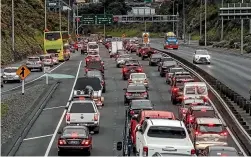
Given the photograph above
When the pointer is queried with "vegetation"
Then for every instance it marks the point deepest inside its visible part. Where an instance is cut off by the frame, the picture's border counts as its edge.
(4, 109)
(29, 26)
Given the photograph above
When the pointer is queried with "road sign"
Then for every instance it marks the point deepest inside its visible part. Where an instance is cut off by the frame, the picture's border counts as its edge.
(23, 72)
(88, 19)
(145, 38)
(123, 36)
(104, 19)
(148, 1)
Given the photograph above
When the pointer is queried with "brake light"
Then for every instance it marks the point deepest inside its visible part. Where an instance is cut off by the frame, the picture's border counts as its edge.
(81, 98)
(86, 70)
(95, 117)
(175, 89)
(145, 93)
(205, 99)
(61, 142)
(145, 151)
(103, 82)
(224, 133)
(184, 98)
(183, 111)
(197, 133)
(140, 70)
(211, 124)
(87, 60)
(193, 151)
(128, 94)
(68, 117)
(86, 142)
(131, 112)
(124, 70)
(191, 118)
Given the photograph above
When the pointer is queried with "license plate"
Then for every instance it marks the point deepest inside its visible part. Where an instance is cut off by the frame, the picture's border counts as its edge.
(73, 142)
(136, 94)
(132, 70)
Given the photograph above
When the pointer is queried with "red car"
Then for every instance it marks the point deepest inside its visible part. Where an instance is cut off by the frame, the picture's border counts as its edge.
(91, 58)
(95, 65)
(139, 119)
(131, 66)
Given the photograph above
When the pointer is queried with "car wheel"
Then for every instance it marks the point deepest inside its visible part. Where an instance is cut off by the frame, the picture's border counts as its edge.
(60, 153)
(117, 65)
(124, 78)
(173, 101)
(150, 63)
(208, 63)
(161, 74)
(194, 62)
(88, 153)
(41, 69)
(104, 90)
(96, 130)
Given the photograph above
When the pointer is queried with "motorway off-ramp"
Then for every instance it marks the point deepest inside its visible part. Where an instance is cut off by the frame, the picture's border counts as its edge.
(112, 114)
(232, 70)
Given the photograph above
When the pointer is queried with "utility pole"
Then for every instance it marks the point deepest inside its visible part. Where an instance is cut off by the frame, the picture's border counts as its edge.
(222, 24)
(177, 23)
(69, 3)
(144, 16)
(73, 19)
(184, 22)
(45, 15)
(104, 24)
(60, 19)
(77, 19)
(13, 29)
(173, 15)
(205, 22)
(242, 33)
(200, 19)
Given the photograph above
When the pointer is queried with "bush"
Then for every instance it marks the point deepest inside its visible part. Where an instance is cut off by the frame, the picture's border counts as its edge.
(248, 49)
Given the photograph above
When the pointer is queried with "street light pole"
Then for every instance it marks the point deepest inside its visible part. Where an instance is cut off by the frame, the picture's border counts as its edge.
(242, 33)
(144, 16)
(184, 22)
(173, 15)
(77, 19)
(222, 23)
(69, 16)
(60, 19)
(45, 15)
(13, 29)
(205, 22)
(200, 18)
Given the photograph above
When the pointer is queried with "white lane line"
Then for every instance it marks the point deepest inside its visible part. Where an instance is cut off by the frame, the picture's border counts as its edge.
(51, 108)
(34, 79)
(38, 137)
(62, 117)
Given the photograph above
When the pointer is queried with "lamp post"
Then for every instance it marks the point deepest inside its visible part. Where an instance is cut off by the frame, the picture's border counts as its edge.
(45, 15)
(205, 22)
(13, 29)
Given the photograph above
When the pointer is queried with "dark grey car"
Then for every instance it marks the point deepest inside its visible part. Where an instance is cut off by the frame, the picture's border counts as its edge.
(135, 91)
(135, 106)
(155, 59)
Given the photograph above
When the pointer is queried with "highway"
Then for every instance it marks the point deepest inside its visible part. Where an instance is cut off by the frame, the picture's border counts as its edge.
(40, 140)
(232, 70)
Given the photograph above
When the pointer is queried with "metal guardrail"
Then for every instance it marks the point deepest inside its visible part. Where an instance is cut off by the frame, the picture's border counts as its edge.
(225, 101)
(127, 143)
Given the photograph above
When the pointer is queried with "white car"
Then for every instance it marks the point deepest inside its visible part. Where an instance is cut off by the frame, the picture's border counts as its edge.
(195, 90)
(138, 78)
(201, 56)
(163, 136)
(9, 75)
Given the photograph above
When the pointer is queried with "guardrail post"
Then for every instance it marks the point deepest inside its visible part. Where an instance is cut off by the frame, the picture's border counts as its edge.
(242, 102)
(231, 94)
(235, 97)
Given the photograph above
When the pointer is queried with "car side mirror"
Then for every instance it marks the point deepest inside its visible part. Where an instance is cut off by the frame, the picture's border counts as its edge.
(119, 146)
(66, 107)
(134, 117)
(92, 132)
(59, 132)
(139, 128)
(124, 88)
(194, 53)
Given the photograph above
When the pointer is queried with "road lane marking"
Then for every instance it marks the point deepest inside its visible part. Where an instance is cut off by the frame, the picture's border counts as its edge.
(63, 115)
(51, 108)
(33, 79)
(37, 137)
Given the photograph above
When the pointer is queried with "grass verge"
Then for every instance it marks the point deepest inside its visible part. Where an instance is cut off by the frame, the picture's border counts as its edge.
(4, 109)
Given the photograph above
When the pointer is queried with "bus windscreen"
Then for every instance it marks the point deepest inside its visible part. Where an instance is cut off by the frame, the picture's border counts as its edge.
(52, 36)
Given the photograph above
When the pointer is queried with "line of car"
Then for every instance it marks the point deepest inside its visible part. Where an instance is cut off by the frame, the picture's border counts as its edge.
(196, 131)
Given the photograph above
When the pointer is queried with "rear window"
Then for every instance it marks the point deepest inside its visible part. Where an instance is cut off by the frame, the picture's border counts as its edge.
(196, 89)
(132, 62)
(78, 131)
(136, 88)
(82, 108)
(141, 104)
(169, 64)
(52, 36)
(173, 70)
(9, 70)
(166, 132)
(223, 153)
(208, 128)
(167, 59)
(93, 46)
(204, 113)
(138, 76)
(33, 59)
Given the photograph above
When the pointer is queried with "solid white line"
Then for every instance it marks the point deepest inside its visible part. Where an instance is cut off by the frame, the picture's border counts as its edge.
(38, 137)
(33, 79)
(50, 108)
(62, 117)
(213, 105)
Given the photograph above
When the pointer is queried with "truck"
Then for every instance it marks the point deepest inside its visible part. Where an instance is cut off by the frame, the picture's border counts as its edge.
(92, 46)
(171, 41)
(116, 45)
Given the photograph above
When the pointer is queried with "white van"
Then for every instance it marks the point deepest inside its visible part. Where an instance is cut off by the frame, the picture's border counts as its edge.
(92, 46)
(116, 45)
(195, 90)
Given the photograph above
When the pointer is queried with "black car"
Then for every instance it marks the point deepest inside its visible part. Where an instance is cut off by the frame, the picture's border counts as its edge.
(165, 67)
(135, 91)
(135, 106)
(164, 59)
(74, 138)
(98, 74)
(155, 59)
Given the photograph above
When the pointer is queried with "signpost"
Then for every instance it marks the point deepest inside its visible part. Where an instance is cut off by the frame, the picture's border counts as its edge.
(47, 71)
(23, 72)
(101, 19)
(104, 19)
(145, 37)
(123, 35)
(88, 19)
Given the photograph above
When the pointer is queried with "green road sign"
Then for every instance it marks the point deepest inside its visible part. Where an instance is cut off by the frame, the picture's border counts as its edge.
(88, 19)
(104, 19)
(148, 1)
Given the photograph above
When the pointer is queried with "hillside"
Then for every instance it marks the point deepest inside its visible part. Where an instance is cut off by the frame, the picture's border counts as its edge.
(29, 26)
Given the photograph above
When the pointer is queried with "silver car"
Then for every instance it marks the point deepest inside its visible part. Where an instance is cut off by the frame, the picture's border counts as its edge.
(34, 63)
(9, 75)
(47, 60)
(121, 60)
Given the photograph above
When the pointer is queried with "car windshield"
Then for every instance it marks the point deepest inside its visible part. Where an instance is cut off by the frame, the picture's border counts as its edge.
(166, 132)
(78, 131)
(82, 108)
(201, 52)
(138, 76)
(203, 113)
(211, 128)
(173, 63)
(141, 104)
(52, 36)
(10, 70)
(201, 90)
(94, 46)
(136, 88)
(167, 59)
(223, 152)
(132, 62)
(33, 59)
(173, 70)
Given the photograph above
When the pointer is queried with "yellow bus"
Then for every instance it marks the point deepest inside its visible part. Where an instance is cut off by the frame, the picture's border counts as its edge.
(53, 43)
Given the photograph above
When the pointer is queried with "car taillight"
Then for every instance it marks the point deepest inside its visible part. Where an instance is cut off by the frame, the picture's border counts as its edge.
(193, 151)
(145, 93)
(183, 111)
(205, 99)
(86, 142)
(95, 117)
(224, 133)
(86, 70)
(175, 89)
(131, 112)
(145, 81)
(191, 118)
(61, 142)
(145, 151)
(87, 60)
(197, 133)
(140, 70)
(128, 94)
(103, 82)
(124, 70)
(68, 117)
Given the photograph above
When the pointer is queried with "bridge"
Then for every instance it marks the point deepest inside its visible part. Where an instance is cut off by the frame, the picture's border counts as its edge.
(145, 18)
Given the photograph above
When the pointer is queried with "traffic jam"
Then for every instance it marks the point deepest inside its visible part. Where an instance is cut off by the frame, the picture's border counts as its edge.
(195, 131)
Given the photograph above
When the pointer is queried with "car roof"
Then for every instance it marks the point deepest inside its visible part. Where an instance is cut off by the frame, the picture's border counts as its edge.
(202, 107)
(149, 113)
(75, 127)
(165, 122)
(219, 148)
(81, 101)
(138, 74)
(136, 85)
(208, 121)
(194, 83)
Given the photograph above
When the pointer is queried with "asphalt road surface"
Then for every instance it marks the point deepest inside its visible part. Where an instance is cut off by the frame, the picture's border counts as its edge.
(234, 71)
(37, 142)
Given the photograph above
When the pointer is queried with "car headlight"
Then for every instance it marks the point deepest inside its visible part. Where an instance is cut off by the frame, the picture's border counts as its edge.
(16, 76)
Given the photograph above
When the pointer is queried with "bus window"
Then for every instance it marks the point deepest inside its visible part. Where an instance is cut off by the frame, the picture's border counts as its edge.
(52, 36)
